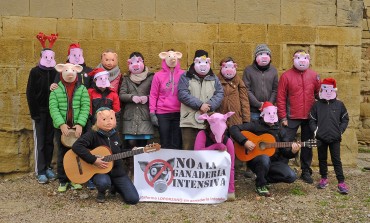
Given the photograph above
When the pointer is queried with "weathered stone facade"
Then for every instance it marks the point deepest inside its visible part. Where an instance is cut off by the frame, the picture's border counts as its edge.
(331, 30)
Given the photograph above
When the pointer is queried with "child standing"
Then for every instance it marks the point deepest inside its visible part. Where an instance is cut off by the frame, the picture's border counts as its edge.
(69, 106)
(329, 119)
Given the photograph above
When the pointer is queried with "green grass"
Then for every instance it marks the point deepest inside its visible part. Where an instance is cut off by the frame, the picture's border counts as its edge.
(363, 150)
(323, 203)
(297, 190)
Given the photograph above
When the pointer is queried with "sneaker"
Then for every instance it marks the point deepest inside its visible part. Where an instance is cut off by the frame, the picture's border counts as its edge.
(42, 179)
(90, 185)
(101, 197)
(263, 191)
(342, 188)
(50, 174)
(231, 197)
(75, 186)
(306, 177)
(63, 187)
(322, 184)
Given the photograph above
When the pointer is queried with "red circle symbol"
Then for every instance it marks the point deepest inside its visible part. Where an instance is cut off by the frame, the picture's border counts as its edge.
(159, 173)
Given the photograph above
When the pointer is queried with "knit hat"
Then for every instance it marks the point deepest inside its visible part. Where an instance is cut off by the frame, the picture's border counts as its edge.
(73, 46)
(97, 72)
(200, 53)
(262, 48)
(329, 81)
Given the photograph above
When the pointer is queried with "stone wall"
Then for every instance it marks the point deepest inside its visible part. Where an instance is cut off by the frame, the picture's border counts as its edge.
(331, 30)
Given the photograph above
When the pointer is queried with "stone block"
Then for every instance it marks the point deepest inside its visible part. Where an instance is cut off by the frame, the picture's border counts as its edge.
(326, 58)
(348, 58)
(194, 46)
(291, 34)
(366, 123)
(366, 24)
(349, 148)
(195, 32)
(16, 52)
(180, 47)
(140, 10)
(154, 31)
(51, 8)
(311, 13)
(22, 75)
(339, 35)
(75, 29)
(94, 48)
(9, 79)
(216, 11)
(97, 9)
(249, 33)
(181, 11)
(121, 30)
(24, 27)
(276, 55)
(365, 110)
(255, 12)
(240, 52)
(349, 13)
(289, 49)
(16, 8)
(15, 158)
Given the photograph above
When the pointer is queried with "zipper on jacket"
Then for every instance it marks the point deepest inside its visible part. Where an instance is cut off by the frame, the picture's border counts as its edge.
(304, 99)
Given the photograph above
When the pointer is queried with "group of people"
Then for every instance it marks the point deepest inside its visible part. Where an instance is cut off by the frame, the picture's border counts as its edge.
(193, 109)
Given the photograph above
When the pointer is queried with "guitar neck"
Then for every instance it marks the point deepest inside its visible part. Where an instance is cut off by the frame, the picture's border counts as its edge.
(123, 155)
(283, 144)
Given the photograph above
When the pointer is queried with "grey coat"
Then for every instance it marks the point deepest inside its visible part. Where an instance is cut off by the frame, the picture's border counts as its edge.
(136, 118)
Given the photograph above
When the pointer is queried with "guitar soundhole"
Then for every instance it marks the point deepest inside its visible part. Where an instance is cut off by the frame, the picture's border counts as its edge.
(262, 145)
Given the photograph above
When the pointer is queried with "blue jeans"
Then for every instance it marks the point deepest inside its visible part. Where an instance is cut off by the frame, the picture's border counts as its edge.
(122, 184)
(255, 115)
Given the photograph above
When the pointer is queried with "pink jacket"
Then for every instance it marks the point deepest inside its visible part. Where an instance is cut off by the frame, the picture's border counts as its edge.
(163, 93)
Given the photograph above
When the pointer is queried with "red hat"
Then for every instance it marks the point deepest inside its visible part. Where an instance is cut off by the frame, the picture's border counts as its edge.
(73, 46)
(98, 72)
(329, 81)
(266, 104)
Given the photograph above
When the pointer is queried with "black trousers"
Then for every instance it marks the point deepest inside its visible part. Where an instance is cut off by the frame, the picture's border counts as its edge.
(61, 152)
(169, 130)
(306, 134)
(43, 135)
(322, 152)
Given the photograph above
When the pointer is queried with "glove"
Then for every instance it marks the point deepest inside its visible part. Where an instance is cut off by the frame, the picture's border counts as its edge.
(154, 119)
(144, 99)
(136, 99)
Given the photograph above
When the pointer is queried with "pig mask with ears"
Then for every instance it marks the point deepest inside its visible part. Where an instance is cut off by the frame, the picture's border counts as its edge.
(327, 92)
(202, 65)
(76, 56)
(269, 114)
(136, 65)
(69, 71)
(228, 69)
(217, 123)
(109, 60)
(263, 59)
(47, 58)
(171, 57)
(106, 120)
(301, 61)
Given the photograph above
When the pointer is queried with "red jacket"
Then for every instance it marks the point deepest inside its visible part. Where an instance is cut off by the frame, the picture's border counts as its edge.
(296, 93)
(108, 98)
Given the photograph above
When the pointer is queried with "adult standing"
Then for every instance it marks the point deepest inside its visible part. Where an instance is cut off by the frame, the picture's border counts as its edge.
(297, 89)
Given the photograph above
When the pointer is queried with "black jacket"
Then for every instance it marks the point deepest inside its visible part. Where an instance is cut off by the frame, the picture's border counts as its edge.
(259, 127)
(92, 139)
(38, 90)
(330, 119)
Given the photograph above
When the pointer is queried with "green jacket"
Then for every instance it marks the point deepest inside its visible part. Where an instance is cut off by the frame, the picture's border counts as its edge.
(58, 105)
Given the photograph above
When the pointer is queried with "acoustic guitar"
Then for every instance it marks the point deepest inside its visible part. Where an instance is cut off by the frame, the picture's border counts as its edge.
(265, 145)
(79, 171)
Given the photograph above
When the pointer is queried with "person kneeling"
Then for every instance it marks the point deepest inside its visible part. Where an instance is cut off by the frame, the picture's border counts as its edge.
(104, 134)
(272, 169)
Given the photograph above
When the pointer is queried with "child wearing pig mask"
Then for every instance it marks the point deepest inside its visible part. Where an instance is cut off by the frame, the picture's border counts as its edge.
(299, 86)
(199, 92)
(261, 80)
(69, 107)
(235, 93)
(214, 138)
(328, 120)
(272, 169)
(163, 102)
(109, 61)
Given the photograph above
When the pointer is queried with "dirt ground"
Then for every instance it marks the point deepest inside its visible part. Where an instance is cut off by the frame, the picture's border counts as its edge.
(22, 199)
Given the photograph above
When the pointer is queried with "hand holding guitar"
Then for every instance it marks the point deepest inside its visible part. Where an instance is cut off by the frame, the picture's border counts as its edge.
(249, 145)
(296, 147)
(101, 163)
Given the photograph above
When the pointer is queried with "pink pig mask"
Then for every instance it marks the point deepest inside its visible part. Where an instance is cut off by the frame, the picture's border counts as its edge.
(263, 59)
(327, 92)
(202, 65)
(217, 123)
(269, 114)
(135, 65)
(47, 58)
(301, 61)
(76, 56)
(103, 80)
(69, 71)
(171, 57)
(228, 69)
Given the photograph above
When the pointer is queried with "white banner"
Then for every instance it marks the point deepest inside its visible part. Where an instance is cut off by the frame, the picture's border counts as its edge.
(182, 176)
